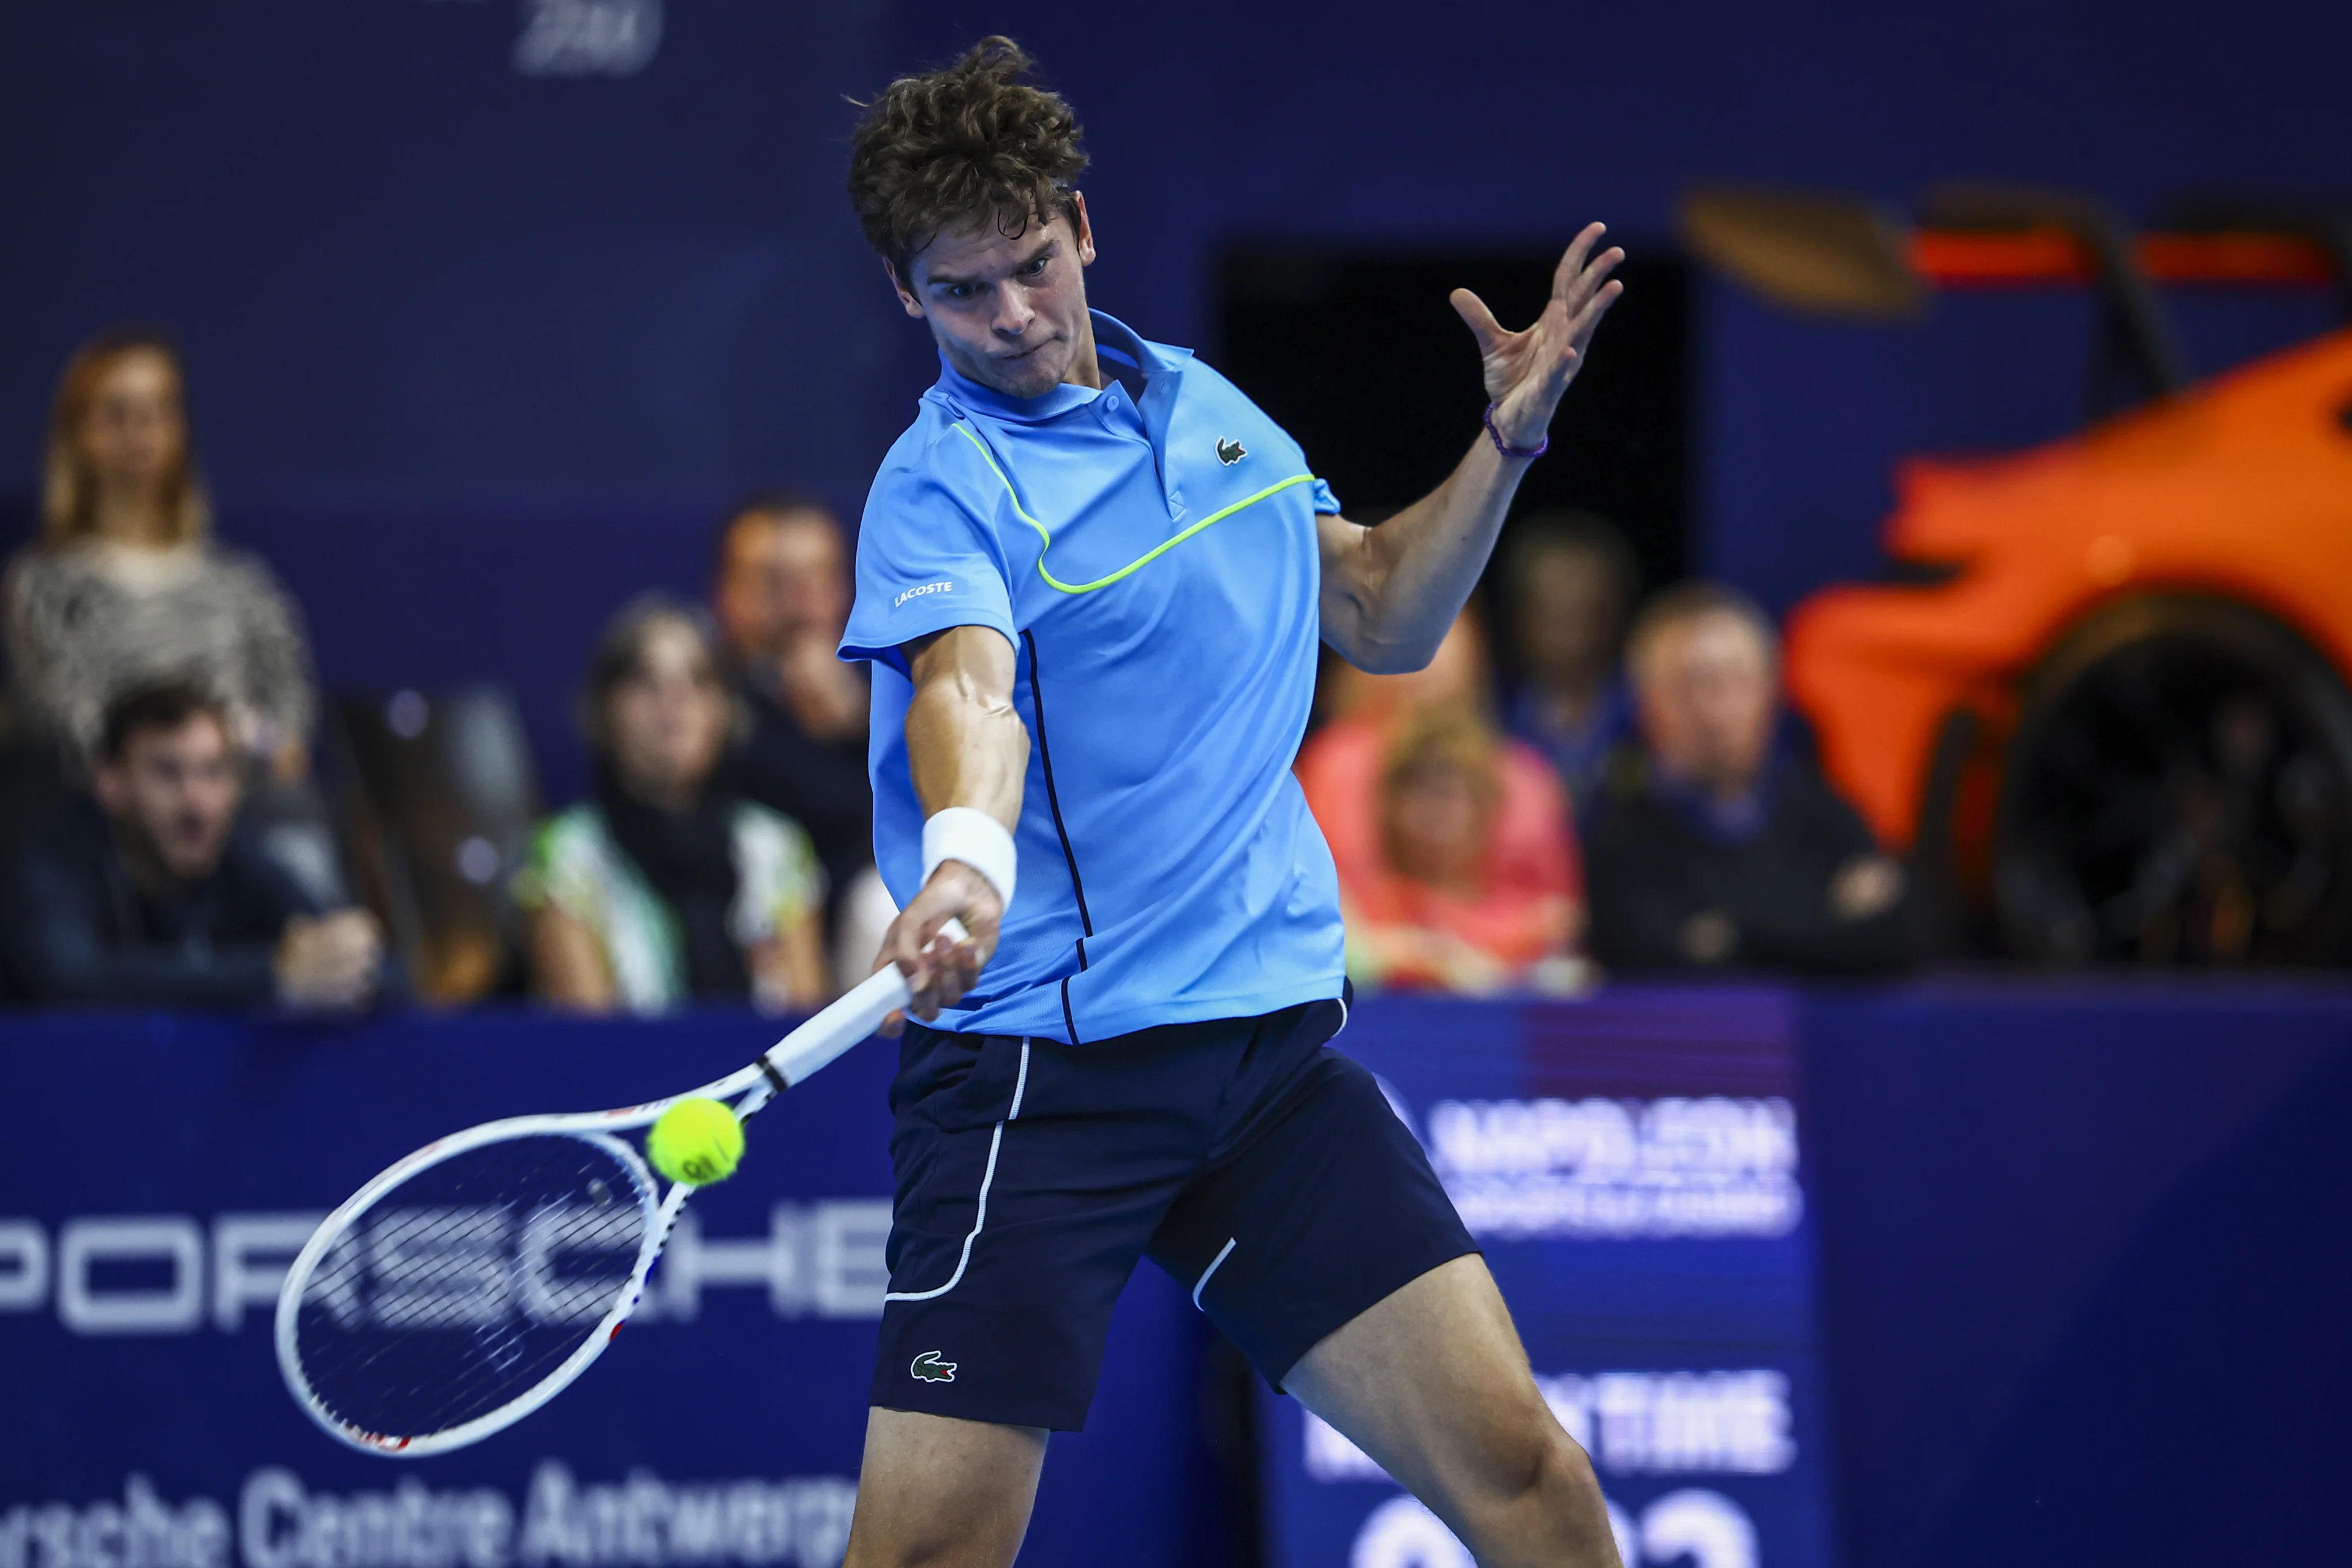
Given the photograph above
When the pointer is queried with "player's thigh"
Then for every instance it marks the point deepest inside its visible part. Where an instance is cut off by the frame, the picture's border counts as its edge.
(1328, 1208)
(933, 1489)
(1432, 1383)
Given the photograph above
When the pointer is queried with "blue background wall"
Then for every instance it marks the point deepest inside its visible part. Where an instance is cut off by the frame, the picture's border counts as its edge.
(477, 354)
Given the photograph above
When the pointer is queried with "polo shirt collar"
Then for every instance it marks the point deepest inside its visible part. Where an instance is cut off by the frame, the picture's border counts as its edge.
(1162, 368)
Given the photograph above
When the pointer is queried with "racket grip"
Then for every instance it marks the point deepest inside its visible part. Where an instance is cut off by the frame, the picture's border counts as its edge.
(848, 1020)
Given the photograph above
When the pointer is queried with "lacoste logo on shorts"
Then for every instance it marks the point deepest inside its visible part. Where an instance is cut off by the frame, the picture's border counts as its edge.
(932, 1369)
(1230, 452)
(943, 585)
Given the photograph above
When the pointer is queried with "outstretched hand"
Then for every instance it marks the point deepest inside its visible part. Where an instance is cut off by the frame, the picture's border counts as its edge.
(1527, 372)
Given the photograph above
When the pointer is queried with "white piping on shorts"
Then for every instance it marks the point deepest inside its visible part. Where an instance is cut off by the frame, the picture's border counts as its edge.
(1020, 1086)
(1343, 1017)
(1214, 1264)
(987, 1178)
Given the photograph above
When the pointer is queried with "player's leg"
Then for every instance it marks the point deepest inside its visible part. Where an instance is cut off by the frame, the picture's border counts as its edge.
(934, 1490)
(1030, 1176)
(1326, 1247)
(1432, 1383)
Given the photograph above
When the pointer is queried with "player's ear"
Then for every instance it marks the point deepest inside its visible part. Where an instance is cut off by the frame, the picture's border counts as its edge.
(107, 783)
(1085, 231)
(906, 300)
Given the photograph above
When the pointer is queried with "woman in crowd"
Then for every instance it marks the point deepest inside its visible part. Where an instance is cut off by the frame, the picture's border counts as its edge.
(1442, 910)
(125, 586)
(668, 887)
(1456, 858)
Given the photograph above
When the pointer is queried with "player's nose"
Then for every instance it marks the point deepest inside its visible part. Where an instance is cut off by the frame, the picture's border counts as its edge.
(1012, 313)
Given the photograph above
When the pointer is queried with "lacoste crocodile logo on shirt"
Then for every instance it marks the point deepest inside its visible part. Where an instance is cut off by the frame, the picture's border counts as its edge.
(932, 1369)
(1230, 452)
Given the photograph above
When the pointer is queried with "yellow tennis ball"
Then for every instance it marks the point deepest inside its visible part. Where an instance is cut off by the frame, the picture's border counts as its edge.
(697, 1141)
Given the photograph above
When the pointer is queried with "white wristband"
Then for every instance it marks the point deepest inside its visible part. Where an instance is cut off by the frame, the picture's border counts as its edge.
(966, 834)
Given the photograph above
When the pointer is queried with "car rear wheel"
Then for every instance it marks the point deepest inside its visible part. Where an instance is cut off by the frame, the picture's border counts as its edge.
(2179, 792)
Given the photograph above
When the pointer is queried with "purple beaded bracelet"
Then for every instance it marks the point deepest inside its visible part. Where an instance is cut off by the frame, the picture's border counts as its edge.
(1537, 450)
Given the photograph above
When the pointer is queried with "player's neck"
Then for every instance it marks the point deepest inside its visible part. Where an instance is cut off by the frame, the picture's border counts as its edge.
(1085, 366)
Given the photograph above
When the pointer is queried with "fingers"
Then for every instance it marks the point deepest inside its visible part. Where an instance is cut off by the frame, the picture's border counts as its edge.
(1580, 324)
(939, 968)
(353, 936)
(949, 968)
(1571, 261)
(1579, 272)
(1582, 291)
(1479, 319)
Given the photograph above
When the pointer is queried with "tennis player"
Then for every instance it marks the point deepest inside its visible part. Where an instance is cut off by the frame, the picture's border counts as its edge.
(1091, 581)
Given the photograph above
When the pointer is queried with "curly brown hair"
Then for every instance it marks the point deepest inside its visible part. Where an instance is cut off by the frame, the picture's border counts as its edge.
(952, 147)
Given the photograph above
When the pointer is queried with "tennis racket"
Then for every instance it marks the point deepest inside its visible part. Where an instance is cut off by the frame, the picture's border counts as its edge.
(472, 1281)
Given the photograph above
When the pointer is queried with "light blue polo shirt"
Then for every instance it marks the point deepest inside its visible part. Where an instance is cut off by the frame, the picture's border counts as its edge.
(1149, 551)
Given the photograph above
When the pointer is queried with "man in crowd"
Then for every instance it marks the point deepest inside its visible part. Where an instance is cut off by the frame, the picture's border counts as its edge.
(144, 893)
(1717, 850)
(1571, 582)
(781, 598)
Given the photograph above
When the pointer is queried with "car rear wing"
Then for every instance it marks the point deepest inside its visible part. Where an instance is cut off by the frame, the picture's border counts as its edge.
(1841, 255)
(1837, 255)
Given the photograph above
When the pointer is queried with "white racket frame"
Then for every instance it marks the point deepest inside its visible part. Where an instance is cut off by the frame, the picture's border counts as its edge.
(825, 1035)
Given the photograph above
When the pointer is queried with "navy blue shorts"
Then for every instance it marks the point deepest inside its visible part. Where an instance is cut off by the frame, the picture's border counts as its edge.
(1260, 1168)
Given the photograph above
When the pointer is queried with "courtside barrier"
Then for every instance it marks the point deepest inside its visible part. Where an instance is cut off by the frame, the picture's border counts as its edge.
(1920, 1278)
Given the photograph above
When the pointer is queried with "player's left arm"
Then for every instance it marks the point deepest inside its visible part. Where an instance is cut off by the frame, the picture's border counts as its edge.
(1390, 592)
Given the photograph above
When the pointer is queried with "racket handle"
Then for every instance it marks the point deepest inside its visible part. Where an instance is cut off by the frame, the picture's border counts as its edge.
(848, 1020)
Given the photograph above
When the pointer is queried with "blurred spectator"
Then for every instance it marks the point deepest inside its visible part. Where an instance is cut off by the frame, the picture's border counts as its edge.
(146, 894)
(1569, 582)
(1507, 890)
(1718, 851)
(1443, 910)
(781, 598)
(781, 595)
(125, 588)
(668, 886)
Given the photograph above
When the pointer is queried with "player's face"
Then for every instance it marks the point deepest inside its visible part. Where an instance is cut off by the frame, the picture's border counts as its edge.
(1008, 312)
(175, 792)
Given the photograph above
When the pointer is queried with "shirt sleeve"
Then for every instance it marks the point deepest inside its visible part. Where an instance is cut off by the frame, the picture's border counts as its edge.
(927, 560)
(1326, 503)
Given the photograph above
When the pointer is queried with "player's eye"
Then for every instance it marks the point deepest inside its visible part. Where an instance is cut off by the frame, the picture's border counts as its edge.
(1035, 268)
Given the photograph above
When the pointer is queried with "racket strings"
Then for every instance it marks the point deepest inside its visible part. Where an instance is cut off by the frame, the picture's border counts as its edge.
(466, 1286)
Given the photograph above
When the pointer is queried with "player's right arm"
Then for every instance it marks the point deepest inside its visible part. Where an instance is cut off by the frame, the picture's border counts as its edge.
(967, 747)
(1389, 593)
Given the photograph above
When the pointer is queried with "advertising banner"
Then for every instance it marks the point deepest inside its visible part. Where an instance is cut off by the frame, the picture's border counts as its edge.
(1632, 1168)
(158, 1175)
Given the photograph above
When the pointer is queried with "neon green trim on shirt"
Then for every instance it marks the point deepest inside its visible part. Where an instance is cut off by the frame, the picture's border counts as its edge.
(1139, 562)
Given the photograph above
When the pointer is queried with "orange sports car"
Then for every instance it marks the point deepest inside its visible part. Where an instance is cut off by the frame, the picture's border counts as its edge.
(2111, 721)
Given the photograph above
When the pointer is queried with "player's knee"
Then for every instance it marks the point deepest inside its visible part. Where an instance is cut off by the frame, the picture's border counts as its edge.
(1513, 1446)
(1523, 1452)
